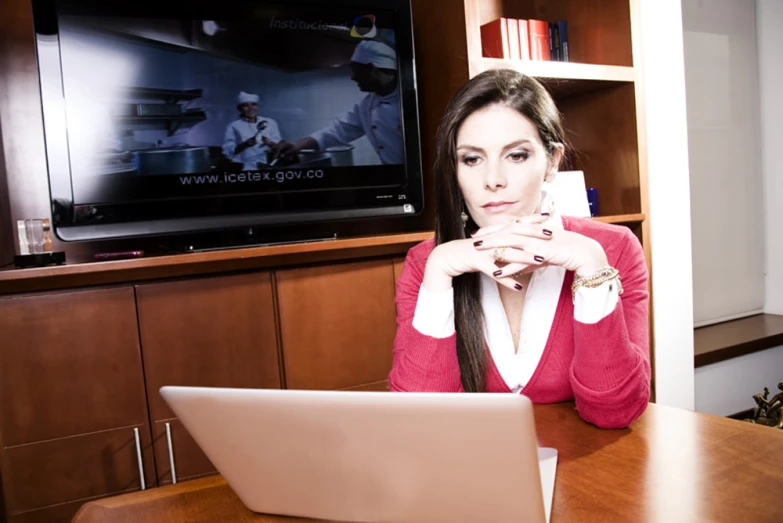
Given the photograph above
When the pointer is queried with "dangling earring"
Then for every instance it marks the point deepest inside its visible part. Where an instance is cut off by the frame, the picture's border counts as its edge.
(464, 217)
(547, 204)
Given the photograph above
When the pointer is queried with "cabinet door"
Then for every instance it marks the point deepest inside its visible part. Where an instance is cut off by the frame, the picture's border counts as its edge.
(77, 468)
(398, 265)
(337, 324)
(209, 332)
(70, 364)
(189, 461)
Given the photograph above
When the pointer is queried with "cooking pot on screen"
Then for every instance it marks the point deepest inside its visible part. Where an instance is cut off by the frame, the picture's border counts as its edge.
(171, 160)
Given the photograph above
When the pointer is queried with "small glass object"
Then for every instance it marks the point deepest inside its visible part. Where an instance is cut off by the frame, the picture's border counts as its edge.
(21, 234)
(35, 237)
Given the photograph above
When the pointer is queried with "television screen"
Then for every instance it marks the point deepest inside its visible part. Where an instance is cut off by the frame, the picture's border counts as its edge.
(179, 116)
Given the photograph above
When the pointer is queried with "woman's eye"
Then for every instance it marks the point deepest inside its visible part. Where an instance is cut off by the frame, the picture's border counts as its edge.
(518, 156)
(470, 160)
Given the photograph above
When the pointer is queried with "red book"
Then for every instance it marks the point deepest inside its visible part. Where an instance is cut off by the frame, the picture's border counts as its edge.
(494, 39)
(524, 40)
(539, 39)
(513, 38)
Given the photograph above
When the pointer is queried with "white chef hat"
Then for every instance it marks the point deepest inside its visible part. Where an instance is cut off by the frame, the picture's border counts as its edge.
(244, 97)
(377, 53)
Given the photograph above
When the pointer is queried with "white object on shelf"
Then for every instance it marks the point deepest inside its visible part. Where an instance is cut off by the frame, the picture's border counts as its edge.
(570, 194)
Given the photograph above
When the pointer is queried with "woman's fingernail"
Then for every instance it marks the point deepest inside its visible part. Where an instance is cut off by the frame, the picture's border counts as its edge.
(473, 233)
(547, 232)
(539, 259)
(517, 286)
(478, 243)
(544, 214)
(497, 273)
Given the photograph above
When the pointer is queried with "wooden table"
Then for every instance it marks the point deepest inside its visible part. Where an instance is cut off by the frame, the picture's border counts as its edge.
(670, 466)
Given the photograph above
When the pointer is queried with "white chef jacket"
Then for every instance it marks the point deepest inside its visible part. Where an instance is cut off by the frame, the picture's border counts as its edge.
(376, 116)
(240, 130)
(434, 316)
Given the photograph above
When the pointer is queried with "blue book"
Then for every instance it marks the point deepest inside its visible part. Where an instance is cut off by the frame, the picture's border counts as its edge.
(554, 48)
(562, 30)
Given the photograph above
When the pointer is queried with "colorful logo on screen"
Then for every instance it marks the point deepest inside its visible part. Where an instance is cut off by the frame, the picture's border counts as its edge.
(364, 27)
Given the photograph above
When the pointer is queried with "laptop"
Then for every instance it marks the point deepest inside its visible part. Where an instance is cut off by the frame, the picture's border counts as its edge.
(380, 457)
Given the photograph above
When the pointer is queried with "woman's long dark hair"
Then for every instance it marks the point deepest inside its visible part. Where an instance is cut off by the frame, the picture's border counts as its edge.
(530, 98)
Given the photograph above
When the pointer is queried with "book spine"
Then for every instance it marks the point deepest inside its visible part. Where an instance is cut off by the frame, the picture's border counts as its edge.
(562, 32)
(513, 38)
(524, 40)
(553, 41)
(539, 39)
(494, 39)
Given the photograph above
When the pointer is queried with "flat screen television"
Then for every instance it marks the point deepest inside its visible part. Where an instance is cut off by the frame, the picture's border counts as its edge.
(180, 116)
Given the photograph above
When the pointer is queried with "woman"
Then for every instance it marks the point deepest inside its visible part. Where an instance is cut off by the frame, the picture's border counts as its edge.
(247, 139)
(534, 303)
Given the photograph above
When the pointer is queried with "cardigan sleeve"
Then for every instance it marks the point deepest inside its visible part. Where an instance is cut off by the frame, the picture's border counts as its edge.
(610, 371)
(420, 363)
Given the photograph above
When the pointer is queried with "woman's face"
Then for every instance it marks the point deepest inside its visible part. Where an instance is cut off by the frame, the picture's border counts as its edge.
(501, 164)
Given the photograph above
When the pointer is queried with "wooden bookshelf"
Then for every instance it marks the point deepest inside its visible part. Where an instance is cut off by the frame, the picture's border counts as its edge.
(598, 92)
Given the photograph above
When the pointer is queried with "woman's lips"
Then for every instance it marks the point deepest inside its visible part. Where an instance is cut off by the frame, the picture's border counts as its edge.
(496, 207)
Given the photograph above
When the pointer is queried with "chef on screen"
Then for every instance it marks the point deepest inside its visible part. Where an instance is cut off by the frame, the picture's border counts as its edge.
(246, 139)
(377, 115)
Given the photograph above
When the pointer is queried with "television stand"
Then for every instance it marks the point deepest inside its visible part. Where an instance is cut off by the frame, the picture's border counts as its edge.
(251, 238)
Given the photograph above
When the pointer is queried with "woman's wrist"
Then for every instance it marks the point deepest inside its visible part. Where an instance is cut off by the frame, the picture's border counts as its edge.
(593, 261)
(436, 277)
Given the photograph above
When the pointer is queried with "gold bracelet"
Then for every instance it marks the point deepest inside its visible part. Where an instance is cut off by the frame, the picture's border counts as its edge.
(597, 278)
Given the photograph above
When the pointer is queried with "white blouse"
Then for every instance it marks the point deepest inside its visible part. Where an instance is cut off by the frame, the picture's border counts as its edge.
(434, 316)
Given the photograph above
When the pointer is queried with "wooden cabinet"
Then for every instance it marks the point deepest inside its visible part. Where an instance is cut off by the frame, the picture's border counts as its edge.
(337, 324)
(81, 369)
(206, 332)
(71, 394)
(76, 468)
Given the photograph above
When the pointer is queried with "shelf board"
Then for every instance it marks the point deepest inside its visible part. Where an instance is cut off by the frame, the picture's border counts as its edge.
(177, 265)
(564, 79)
(186, 117)
(621, 218)
(735, 338)
(162, 94)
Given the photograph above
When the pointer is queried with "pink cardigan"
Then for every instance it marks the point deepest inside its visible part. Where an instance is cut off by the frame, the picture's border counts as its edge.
(603, 367)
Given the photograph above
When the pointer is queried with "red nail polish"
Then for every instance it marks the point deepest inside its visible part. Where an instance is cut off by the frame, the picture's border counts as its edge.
(517, 286)
(478, 243)
(544, 214)
(497, 273)
(539, 259)
(547, 232)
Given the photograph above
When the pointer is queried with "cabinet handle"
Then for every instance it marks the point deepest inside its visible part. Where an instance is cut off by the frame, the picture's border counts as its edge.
(171, 454)
(138, 456)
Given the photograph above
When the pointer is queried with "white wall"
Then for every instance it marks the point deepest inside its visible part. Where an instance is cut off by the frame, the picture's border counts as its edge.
(769, 19)
(727, 216)
(727, 387)
(661, 61)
